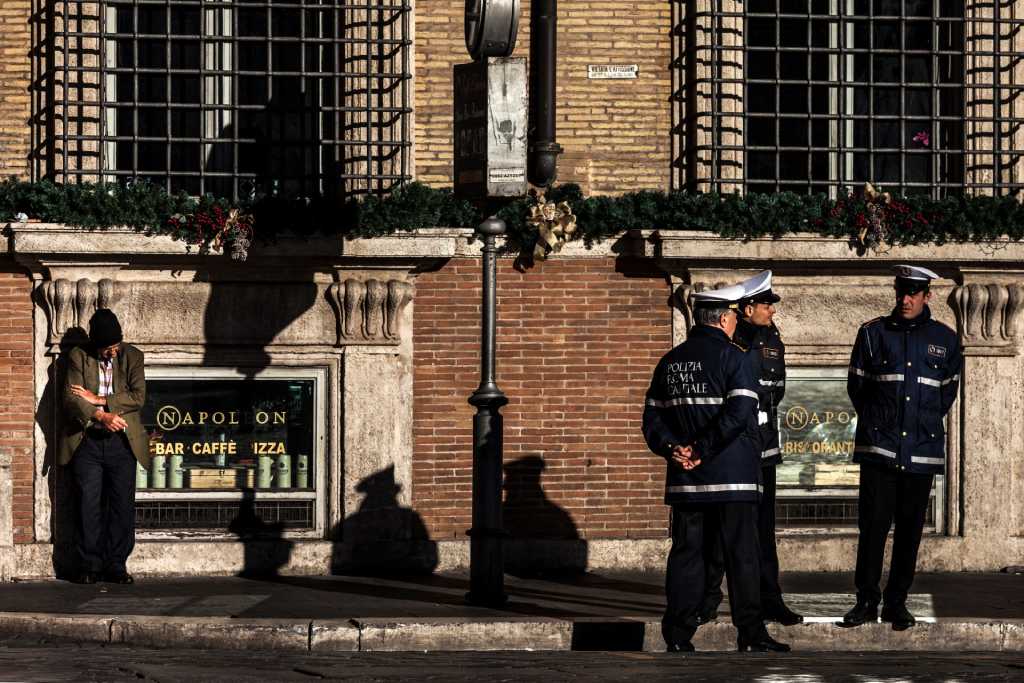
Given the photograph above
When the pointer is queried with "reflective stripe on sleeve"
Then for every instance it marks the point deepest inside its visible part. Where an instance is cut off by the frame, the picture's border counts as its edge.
(684, 401)
(769, 453)
(742, 392)
(929, 381)
(771, 382)
(713, 488)
(928, 461)
(878, 378)
(950, 380)
(874, 449)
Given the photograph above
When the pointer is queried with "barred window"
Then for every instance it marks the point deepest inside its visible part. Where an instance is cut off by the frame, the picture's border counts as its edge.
(918, 96)
(234, 97)
(840, 92)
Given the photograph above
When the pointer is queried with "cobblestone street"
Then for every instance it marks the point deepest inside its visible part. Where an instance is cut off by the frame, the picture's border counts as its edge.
(29, 660)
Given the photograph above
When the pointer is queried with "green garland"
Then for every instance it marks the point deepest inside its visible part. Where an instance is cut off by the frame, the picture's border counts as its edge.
(866, 219)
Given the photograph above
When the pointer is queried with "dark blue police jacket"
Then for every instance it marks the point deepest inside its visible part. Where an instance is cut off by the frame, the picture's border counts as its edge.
(903, 379)
(767, 355)
(704, 394)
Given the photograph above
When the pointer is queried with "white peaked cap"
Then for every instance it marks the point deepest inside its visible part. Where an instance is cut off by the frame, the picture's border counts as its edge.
(724, 297)
(915, 273)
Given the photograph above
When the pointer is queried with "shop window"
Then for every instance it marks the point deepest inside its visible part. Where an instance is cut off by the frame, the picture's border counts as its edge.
(817, 480)
(233, 454)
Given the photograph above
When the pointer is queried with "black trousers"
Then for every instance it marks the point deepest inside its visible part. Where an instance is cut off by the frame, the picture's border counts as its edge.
(104, 469)
(714, 562)
(887, 496)
(735, 524)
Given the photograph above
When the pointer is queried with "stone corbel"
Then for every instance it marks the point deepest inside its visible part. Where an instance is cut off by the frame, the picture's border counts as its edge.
(370, 311)
(70, 303)
(989, 317)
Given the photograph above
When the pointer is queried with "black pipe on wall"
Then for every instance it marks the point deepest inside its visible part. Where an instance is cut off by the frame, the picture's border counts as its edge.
(542, 167)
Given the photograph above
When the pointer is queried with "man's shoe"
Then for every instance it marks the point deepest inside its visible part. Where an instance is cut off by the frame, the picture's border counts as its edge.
(123, 578)
(862, 613)
(761, 643)
(899, 616)
(85, 577)
(680, 647)
(706, 614)
(782, 614)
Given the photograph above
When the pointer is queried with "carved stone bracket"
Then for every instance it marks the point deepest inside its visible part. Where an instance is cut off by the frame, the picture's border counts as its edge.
(989, 315)
(369, 311)
(70, 303)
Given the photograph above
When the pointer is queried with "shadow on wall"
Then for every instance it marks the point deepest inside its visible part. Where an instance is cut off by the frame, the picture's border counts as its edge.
(60, 483)
(382, 537)
(266, 550)
(241, 320)
(543, 539)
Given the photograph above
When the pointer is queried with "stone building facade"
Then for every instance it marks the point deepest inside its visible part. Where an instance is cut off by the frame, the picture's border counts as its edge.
(382, 334)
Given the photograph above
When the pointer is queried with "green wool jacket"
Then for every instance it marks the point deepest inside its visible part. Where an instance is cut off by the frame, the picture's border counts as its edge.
(127, 399)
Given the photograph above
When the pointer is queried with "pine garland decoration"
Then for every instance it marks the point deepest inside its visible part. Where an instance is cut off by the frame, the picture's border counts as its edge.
(148, 208)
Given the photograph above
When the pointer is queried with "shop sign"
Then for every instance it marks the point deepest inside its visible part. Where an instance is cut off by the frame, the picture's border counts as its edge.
(221, 433)
(817, 424)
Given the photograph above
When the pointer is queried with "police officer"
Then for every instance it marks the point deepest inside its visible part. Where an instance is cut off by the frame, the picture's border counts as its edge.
(757, 334)
(700, 415)
(904, 374)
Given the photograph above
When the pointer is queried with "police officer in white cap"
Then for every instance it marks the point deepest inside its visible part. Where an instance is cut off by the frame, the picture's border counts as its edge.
(903, 379)
(700, 415)
(757, 334)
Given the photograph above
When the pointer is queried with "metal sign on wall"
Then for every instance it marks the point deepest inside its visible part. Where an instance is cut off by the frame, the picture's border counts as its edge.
(490, 128)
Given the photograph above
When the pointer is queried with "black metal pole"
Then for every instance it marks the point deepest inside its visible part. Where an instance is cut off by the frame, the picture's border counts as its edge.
(543, 150)
(486, 538)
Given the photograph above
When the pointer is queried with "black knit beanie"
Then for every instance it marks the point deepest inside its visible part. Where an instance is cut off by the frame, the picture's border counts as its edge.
(104, 330)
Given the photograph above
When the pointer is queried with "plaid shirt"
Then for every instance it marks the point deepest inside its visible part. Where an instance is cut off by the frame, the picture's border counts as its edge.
(106, 377)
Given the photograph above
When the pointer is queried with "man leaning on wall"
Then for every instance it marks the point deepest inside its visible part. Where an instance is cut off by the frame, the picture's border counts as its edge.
(103, 439)
(903, 379)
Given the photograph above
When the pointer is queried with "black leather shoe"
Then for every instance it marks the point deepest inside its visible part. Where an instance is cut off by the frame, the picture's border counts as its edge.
(123, 578)
(899, 616)
(782, 614)
(706, 614)
(862, 613)
(761, 643)
(680, 647)
(85, 577)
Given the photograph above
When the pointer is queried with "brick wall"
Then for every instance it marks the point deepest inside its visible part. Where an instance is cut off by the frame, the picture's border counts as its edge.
(17, 411)
(615, 132)
(15, 75)
(577, 342)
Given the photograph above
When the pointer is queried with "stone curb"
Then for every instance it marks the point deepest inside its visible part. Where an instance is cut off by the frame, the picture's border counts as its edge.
(513, 633)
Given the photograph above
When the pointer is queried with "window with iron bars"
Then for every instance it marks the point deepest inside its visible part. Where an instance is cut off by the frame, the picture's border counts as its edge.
(917, 96)
(297, 98)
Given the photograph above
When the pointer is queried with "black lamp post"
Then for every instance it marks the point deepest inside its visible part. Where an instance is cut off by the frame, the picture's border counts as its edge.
(486, 557)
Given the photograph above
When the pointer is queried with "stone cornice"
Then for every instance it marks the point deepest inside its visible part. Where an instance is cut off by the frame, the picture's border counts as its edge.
(39, 243)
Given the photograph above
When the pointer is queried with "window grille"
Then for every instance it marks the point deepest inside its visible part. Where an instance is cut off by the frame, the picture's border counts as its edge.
(233, 97)
(917, 96)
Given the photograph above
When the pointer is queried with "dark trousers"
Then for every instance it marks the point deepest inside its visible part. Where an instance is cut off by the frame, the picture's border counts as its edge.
(714, 561)
(104, 469)
(888, 496)
(735, 524)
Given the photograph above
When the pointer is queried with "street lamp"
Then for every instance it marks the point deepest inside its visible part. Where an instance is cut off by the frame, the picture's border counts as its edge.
(486, 556)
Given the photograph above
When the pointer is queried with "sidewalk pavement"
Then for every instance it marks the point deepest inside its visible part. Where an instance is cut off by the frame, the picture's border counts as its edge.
(959, 612)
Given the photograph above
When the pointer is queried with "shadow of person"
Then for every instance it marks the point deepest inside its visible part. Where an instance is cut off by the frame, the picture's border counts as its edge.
(382, 537)
(60, 484)
(266, 550)
(542, 537)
